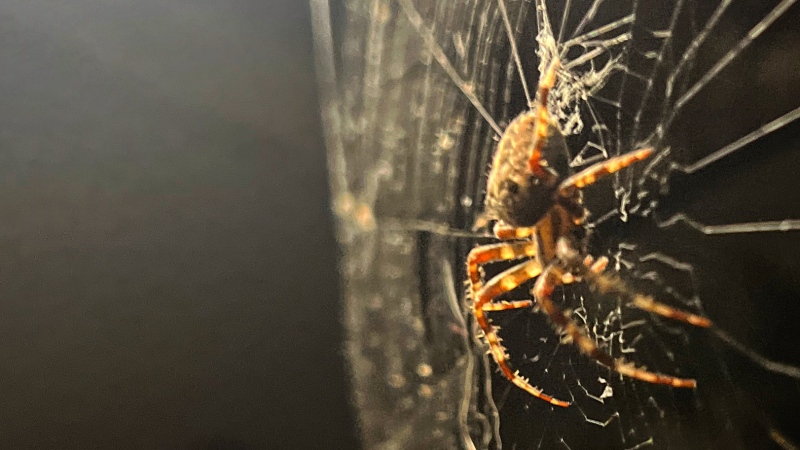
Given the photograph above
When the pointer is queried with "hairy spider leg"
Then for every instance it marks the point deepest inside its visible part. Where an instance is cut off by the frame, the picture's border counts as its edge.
(592, 265)
(499, 285)
(542, 117)
(508, 251)
(542, 291)
(506, 232)
(609, 283)
(598, 170)
(504, 251)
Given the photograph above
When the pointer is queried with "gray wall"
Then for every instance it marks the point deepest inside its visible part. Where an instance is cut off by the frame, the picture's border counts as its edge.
(168, 271)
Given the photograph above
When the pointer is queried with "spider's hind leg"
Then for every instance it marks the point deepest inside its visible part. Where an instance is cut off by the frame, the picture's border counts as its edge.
(606, 283)
(542, 291)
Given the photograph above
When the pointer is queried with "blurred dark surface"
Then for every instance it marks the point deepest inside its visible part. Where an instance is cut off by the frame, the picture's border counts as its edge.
(169, 269)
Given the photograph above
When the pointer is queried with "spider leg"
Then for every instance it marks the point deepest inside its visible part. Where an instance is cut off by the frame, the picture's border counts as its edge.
(495, 253)
(483, 301)
(503, 251)
(606, 283)
(598, 170)
(500, 252)
(507, 305)
(592, 265)
(547, 282)
(484, 254)
(506, 232)
(546, 83)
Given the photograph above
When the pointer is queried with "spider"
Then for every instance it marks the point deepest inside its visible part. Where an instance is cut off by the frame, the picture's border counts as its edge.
(539, 215)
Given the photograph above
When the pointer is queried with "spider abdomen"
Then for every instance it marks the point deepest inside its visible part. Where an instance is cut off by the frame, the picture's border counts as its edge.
(514, 194)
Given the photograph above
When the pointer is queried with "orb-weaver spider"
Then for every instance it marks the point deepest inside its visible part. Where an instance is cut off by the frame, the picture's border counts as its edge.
(539, 213)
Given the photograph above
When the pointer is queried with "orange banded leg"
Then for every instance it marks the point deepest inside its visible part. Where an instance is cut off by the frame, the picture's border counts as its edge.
(485, 254)
(596, 171)
(499, 285)
(495, 253)
(550, 278)
(506, 232)
(503, 251)
(606, 283)
(595, 266)
(507, 305)
(542, 116)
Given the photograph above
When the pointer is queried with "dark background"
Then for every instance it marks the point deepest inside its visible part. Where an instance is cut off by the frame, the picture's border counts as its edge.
(168, 277)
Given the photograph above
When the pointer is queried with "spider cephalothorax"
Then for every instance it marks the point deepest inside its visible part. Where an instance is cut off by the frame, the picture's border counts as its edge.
(538, 213)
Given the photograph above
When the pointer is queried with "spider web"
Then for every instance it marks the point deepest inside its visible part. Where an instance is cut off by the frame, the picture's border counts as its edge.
(415, 94)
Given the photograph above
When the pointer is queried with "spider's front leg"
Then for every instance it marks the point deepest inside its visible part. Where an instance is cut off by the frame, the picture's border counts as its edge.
(599, 170)
(550, 278)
